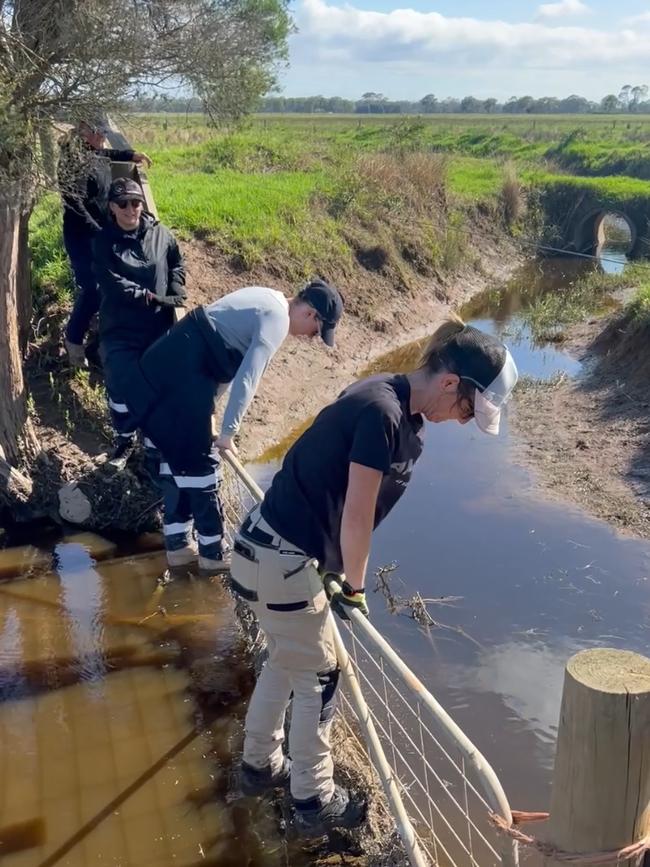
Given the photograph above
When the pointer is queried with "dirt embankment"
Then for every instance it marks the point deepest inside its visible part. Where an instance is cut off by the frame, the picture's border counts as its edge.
(588, 439)
(381, 314)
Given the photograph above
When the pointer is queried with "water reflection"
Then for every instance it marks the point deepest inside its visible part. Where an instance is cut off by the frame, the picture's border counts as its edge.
(119, 719)
(527, 676)
(612, 259)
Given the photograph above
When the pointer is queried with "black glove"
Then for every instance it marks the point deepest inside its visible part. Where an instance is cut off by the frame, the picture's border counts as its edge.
(342, 601)
(171, 301)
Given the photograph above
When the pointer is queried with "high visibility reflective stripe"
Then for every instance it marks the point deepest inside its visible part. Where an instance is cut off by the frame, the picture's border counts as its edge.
(209, 540)
(117, 407)
(128, 435)
(173, 529)
(148, 444)
(189, 481)
(196, 481)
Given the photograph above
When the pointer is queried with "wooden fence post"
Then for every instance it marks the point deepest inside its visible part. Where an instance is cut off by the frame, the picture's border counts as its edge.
(601, 785)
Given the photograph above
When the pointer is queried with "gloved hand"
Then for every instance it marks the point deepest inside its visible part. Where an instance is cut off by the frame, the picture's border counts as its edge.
(170, 301)
(344, 600)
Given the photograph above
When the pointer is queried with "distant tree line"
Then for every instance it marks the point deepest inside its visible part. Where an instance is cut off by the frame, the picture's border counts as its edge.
(630, 99)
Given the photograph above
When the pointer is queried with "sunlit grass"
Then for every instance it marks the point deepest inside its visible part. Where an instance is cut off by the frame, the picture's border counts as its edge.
(251, 216)
(303, 194)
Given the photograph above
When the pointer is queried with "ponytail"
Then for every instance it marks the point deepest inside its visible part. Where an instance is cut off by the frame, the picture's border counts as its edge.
(433, 357)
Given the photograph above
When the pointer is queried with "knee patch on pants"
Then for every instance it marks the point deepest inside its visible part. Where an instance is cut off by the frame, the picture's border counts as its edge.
(329, 681)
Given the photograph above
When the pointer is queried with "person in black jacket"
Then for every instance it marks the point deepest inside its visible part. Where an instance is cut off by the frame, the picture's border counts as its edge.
(84, 175)
(141, 277)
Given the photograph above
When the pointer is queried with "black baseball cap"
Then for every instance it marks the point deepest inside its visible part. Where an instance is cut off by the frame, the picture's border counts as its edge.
(327, 302)
(125, 188)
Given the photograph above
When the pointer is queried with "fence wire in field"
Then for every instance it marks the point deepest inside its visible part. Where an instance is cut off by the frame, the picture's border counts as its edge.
(443, 789)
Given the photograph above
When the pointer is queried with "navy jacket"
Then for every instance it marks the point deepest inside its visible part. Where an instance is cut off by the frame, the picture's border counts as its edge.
(128, 266)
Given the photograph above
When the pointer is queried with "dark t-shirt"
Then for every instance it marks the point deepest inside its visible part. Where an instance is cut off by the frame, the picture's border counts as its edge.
(370, 424)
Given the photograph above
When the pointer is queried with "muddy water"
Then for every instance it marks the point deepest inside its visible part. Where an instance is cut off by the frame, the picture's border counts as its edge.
(120, 712)
(538, 580)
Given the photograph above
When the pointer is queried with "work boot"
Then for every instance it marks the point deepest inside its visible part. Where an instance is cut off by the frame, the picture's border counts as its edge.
(76, 354)
(185, 556)
(258, 781)
(345, 810)
(124, 448)
(209, 567)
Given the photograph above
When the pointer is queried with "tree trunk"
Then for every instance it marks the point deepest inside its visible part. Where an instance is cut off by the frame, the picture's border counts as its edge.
(24, 287)
(13, 400)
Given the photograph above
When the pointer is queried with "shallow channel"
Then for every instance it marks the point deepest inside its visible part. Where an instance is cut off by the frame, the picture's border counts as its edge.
(119, 724)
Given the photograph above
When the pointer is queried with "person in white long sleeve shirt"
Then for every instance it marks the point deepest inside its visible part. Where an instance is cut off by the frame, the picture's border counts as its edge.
(254, 321)
(172, 394)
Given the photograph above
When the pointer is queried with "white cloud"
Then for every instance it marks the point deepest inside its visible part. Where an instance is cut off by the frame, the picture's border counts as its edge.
(562, 9)
(409, 38)
(643, 18)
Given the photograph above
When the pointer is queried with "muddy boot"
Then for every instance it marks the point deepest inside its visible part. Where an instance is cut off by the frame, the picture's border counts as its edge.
(258, 781)
(345, 810)
(76, 354)
(208, 566)
(181, 558)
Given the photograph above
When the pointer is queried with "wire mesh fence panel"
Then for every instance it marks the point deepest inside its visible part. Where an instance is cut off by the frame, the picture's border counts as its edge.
(236, 497)
(446, 787)
(443, 797)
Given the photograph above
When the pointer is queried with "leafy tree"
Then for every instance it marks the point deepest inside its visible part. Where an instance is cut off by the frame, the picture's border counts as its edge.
(471, 105)
(70, 59)
(625, 96)
(428, 104)
(610, 103)
(638, 94)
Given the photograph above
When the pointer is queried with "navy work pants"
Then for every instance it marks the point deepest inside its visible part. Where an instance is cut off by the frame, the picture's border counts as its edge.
(193, 503)
(86, 304)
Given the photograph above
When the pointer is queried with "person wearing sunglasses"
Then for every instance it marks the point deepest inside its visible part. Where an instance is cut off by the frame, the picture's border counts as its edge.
(84, 177)
(336, 484)
(141, 277)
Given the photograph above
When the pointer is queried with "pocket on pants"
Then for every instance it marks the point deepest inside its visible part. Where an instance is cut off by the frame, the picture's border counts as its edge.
(245, 571)
(288, 582)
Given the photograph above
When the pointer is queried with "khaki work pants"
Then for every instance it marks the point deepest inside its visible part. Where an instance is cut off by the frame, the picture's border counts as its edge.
(283, 587)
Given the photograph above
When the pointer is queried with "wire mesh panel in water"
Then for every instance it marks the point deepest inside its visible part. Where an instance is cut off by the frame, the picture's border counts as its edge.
(442, 791)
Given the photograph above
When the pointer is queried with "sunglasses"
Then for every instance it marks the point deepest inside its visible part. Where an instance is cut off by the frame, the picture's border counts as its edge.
(125, 203)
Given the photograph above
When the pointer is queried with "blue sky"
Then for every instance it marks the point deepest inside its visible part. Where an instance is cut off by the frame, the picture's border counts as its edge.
(499, 48)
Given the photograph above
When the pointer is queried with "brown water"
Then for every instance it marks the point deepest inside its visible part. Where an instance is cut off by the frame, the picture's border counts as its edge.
(117, 728)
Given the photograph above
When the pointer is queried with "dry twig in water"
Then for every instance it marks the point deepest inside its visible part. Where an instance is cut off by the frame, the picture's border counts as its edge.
(415, 607)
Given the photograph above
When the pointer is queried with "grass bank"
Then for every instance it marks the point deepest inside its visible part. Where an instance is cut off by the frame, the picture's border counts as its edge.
(298, 204)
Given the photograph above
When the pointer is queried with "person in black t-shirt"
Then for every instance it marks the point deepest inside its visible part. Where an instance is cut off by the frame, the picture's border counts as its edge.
(338, 481)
